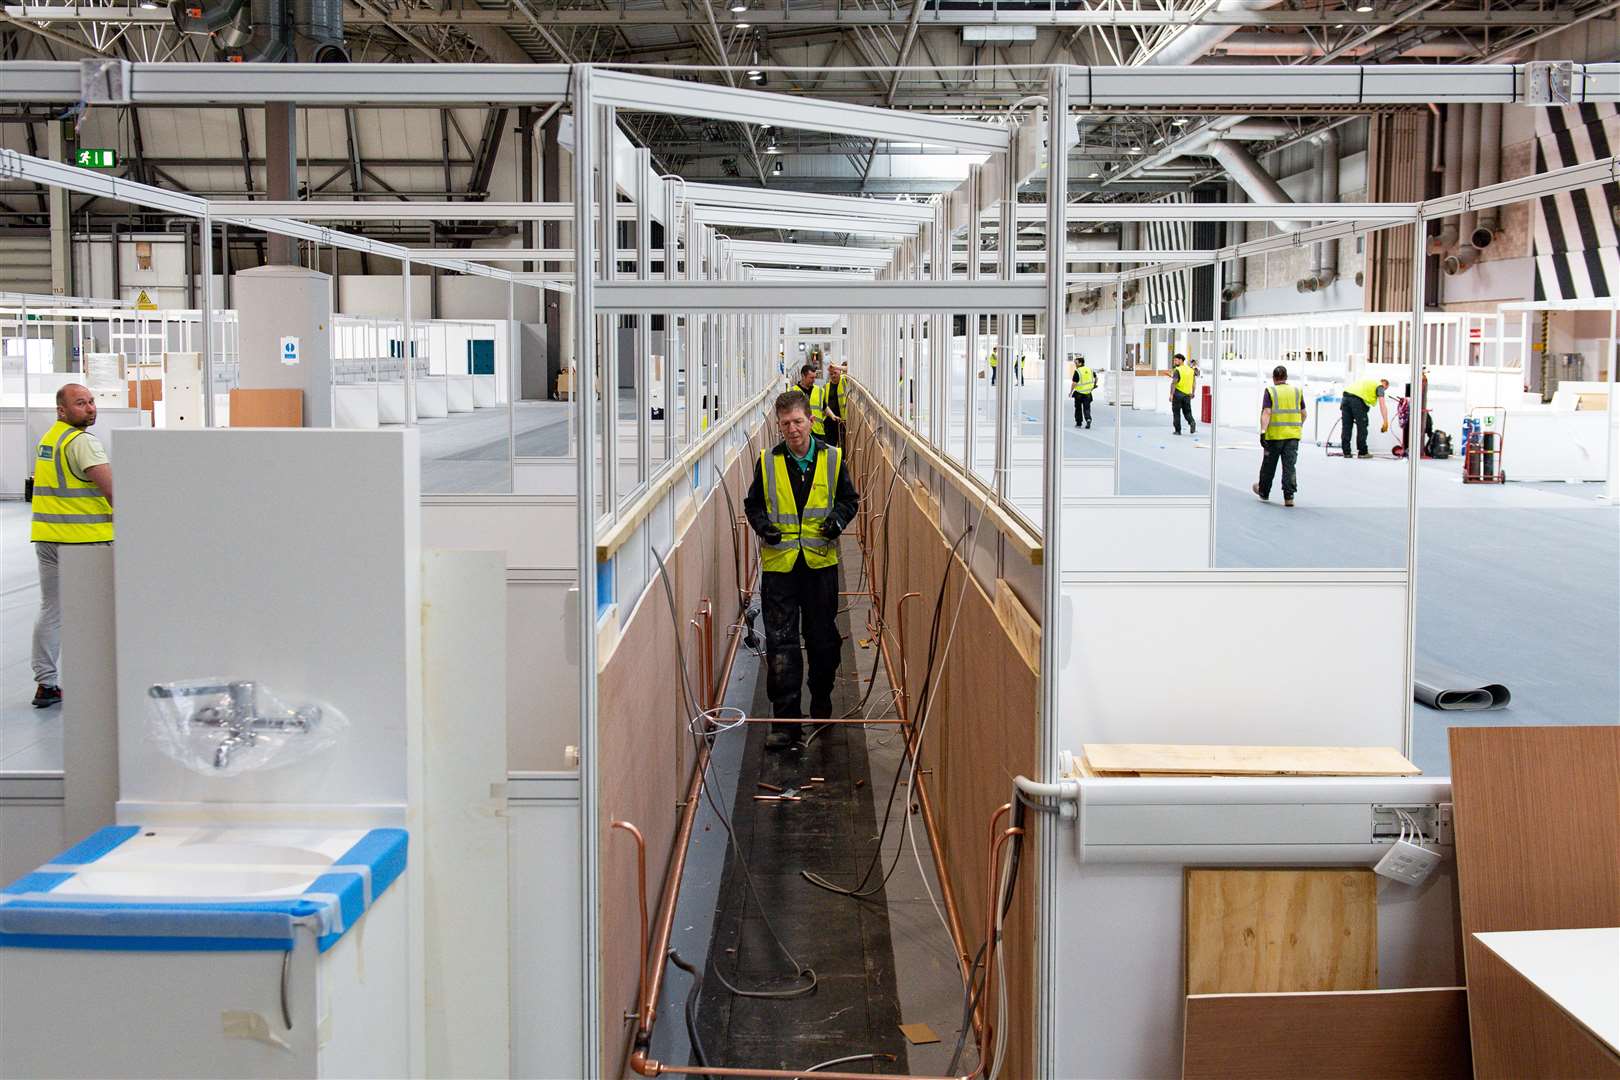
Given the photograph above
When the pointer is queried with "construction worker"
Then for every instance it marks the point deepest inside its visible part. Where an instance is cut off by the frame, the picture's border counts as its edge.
(1081, 387)
(1183, 381)
(1282, 418)
(992, 367)
(72, 504)
(816, 396)
(836, 407)
(1018, 367)
(800, 500)
(1354, 407)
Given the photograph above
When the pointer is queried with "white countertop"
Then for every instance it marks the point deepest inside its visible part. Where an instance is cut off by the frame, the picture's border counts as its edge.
(1578, 969)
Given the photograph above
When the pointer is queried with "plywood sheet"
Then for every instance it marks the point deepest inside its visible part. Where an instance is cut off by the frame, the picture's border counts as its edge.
(1107, 758)
(267, 408)
(1537, 819)
(1268, 931)
(1388, 1034)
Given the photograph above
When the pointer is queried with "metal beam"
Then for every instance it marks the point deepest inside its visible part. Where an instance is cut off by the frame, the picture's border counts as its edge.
(885, 297)
(815, 15)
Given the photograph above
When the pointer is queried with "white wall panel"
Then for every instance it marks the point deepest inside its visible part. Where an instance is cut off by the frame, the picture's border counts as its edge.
(1136, 532)
(1180, 657)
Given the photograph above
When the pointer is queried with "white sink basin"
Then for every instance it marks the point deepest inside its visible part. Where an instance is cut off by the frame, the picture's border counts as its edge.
(185, 863)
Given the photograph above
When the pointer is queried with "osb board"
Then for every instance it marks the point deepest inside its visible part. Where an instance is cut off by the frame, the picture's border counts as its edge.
(267, 408)
(983, 730)
(1270, 931)
(1248, 760)
(645, 753)
(1388, 1034)
(1537, 824)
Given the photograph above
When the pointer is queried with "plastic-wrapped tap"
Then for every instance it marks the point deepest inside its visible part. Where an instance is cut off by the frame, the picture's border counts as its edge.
(221, 727)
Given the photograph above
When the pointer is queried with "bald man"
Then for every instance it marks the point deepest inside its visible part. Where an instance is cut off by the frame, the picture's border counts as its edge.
(72, 504)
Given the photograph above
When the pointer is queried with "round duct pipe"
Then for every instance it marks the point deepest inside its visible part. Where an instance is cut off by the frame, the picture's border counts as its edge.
(1459, 261)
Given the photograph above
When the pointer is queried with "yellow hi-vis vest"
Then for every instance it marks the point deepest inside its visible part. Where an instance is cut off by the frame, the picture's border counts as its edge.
(818, 409)
(1287, 412)
(992, 358)
(67, 509)
(1085, 380)
(1366, 390)
(1185, 377)
(839, 397)
(800, 531)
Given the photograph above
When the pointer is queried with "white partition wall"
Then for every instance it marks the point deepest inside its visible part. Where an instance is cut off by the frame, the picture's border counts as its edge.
(1192, 657)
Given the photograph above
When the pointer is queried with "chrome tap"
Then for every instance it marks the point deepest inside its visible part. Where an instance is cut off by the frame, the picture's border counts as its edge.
(238, 715)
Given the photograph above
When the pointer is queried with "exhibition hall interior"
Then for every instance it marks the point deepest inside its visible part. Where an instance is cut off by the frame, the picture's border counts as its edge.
(778, 538)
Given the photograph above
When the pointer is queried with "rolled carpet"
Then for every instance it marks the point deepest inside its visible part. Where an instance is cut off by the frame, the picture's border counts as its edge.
(1453, 691)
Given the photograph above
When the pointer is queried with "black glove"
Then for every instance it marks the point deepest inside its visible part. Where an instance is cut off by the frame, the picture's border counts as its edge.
(833, 529)
(772, 535)
(1262, 440)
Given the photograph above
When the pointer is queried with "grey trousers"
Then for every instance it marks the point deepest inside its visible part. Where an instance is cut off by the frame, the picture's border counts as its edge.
(48, 624)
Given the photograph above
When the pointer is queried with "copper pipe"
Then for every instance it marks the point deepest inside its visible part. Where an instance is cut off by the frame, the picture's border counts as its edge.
(947, 895)
(835, 720)
(905, 668)
(648, 1067)
(998, 841)
(641, 892)
(677, 864)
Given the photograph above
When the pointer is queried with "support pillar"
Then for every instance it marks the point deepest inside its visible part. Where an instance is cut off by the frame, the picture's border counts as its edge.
(61, 247)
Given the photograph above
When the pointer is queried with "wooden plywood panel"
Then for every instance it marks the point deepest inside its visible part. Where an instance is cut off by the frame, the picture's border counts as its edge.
(1257, 931)
(1248, 760)
(1328, 1036)
(1537, 818)
(267, 408)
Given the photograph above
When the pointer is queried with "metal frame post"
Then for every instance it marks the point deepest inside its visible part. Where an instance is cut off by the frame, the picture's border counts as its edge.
(607, 198)
(1119, 382)
(407, 344)
(1215, 413)
(206, 225)
(589, 781)
(1057, 187)
(511, 385)
(1007, 269)
(1414, 429)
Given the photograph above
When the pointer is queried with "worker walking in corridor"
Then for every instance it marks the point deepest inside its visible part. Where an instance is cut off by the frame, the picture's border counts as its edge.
(72, 504)
(799, 503)
(836, 405)
(992, 367)
(1082, 386)
(1183, 381)
(816, 398)
(1282, 418)
(1355, 407)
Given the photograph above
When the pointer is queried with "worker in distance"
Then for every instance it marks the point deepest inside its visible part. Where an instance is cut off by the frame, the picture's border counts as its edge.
(799, 503)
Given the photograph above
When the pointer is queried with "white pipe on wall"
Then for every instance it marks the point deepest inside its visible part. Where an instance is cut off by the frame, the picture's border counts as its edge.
(1490, 171)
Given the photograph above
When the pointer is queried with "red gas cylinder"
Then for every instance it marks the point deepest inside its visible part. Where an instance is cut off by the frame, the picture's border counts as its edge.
(1206, 416)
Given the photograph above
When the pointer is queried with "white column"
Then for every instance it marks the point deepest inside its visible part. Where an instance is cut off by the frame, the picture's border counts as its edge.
(512, 382)
(1215, 412)
(407, 345)
(1414, 430)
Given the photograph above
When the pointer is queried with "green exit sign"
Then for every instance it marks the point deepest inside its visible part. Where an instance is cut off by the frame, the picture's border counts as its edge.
(94, 158)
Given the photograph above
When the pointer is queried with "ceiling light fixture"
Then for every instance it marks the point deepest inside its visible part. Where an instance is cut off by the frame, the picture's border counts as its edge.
(776, 169)
(1180, 121)
(755, 72)
(1364, 7)
(738, 6)
(1092, 176)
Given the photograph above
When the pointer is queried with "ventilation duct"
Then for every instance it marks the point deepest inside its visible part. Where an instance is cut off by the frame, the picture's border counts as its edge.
(1451, 178)
(1237, 270)
(1325, 254)
(1195, 41)
(1490, 172)
(262, 31)
(228, 23)
(1259, 185)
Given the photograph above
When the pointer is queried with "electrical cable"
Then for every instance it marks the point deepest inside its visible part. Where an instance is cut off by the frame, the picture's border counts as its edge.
(691, 1010)
(846, 1060)
(707, 737)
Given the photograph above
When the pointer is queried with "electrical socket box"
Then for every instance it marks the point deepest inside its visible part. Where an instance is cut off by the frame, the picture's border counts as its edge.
(1549, 82)
(1407, 862)
(1434, 822)
(104, 82)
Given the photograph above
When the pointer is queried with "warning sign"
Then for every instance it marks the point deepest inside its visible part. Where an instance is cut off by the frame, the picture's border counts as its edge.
(143, 302)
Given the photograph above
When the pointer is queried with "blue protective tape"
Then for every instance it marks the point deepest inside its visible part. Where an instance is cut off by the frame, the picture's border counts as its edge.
(96, 845)
(32, 916)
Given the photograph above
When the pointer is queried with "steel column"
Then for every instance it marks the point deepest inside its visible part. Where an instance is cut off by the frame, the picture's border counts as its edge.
(281, 172)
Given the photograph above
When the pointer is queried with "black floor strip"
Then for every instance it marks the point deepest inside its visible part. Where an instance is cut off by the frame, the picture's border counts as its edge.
(832, 831)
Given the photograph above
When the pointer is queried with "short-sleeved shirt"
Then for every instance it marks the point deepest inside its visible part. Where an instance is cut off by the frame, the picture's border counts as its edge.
(84, 452)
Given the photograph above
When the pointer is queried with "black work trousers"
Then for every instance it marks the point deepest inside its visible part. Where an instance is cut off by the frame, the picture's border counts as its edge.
(1286, 451)
(1082, 410)
(802, 602)
(1352, 413)
(1181, 405)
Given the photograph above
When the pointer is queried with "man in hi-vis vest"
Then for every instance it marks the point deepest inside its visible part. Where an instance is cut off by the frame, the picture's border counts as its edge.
(1084, 384)
(72, 504)
(799, 502)
(1183, 380)
(1282, 419)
